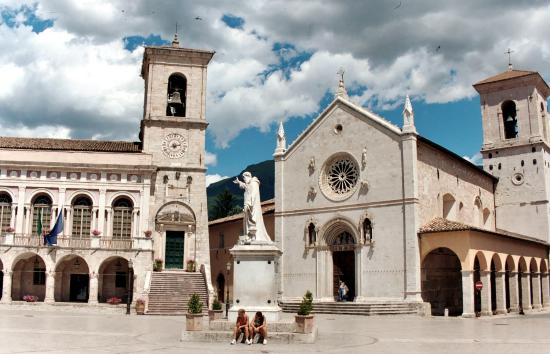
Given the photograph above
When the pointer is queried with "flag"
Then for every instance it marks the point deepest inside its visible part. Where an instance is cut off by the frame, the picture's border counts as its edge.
(51, 237)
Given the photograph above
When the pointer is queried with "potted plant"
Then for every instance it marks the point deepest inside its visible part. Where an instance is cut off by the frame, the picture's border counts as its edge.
(148, 233)
(157, 265)
(114, 300)
(96, 233)
(216, 313)
(9, 230)
(191, 266)
(140, 306)
(194, 314)
(304, 319)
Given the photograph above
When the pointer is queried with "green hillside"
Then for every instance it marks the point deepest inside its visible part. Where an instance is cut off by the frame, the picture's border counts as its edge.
(265, 171)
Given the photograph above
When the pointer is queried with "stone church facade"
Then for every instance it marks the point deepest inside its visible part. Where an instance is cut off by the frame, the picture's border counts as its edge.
(399, 218)
(124, 204)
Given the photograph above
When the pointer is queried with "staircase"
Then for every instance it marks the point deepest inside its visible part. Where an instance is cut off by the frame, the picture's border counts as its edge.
(357, 308)
(171, 290)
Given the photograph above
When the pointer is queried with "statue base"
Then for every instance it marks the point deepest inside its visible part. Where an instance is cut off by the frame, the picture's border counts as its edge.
(254, 279)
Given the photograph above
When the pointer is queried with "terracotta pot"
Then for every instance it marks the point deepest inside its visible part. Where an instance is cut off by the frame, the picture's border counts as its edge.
(215, 314)
(140, 308)
(304, 324)
(193, 322)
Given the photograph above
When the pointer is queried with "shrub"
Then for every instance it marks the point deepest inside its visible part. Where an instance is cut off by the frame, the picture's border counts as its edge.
(96, 233)
(30, 298)
(195, 304)
(191, 265)
(216, 305)
(114, 300)
(157, 265)
(9, 229)
(307, 304)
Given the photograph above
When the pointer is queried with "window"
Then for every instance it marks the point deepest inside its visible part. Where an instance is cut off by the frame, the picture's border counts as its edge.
(312, 234)
(509, 119)
(120, 279)
(122, 218)
(367, 231)
(41, 213)
(82, 217)
(221, 241)
(39, 276)
(177, 93)
(5, 211)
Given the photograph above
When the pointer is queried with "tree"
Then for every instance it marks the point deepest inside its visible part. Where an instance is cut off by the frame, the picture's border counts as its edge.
(225, 204)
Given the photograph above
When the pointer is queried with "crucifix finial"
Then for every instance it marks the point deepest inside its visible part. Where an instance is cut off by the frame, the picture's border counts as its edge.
(175, 41)
(509, 52)
(340, 73)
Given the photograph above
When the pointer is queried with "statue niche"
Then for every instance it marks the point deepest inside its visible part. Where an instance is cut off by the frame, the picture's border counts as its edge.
(177, 94)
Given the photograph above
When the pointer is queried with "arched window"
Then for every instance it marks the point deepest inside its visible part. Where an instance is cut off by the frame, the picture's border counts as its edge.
(82, 217)
(449, 211)
(41, 214)
(509, 119)
(5, 211)
(122, 218)
(367, 231)
(177, 95)
(311, 234)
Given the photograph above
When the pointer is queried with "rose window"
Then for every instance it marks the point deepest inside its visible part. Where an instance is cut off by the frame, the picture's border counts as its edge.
(339, 177)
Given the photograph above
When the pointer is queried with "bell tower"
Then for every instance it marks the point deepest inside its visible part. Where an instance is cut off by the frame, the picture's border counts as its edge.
(516, 149)
(173, 132)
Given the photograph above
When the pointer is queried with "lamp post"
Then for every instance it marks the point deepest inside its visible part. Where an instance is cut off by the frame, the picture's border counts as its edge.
(228, 268)
(130, 287)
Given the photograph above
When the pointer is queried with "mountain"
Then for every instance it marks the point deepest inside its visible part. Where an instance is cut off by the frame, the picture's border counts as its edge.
(265, 171)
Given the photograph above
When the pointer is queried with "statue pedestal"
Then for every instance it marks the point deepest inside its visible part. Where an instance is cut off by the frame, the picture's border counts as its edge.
(254, 282)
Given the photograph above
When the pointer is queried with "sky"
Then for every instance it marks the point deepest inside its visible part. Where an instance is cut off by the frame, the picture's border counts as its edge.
(70, 69)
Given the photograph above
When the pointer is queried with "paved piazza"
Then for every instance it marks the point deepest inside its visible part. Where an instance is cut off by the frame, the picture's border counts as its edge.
(23, 331)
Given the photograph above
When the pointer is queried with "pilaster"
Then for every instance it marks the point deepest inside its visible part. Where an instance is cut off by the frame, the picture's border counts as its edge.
(514, 291)
(50, 287)
(486, 305)
(525, 292)
(6, 287)
(468, 309)
(535, 282)
(500, 290)
(545, 290)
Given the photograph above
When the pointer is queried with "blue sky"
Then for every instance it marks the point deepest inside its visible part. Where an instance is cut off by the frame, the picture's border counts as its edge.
(274, 61)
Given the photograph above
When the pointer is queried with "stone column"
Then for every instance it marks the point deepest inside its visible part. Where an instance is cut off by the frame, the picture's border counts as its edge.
(101, 214)
(485, 277)
(19, 223)
(6, 287)
(94, 219)
(468, 293)
(537, 305)
(108, 232)
(545, 291)
(92, 299)
(525, 292)
(514, 291)
(500, 287)
(135, 226)
(12, 220)
(50, 287)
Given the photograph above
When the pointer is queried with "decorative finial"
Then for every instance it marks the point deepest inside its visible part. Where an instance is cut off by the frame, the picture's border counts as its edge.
(408, 117)
(341, 91)
(509, 52)
(281, 140)
(175, 41)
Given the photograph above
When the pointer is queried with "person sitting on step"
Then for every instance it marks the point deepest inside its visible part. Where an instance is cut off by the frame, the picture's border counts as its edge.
(241, 326)
(259, 326)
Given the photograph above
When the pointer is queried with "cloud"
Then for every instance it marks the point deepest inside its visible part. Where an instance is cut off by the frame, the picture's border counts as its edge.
(210, 159)
(476, 159)
(214, 178)
(78, 75)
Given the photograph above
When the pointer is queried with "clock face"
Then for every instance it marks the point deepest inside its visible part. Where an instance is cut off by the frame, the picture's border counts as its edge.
(174, 145)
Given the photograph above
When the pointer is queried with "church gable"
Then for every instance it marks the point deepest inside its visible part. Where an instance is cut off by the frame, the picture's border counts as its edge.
(344, 155)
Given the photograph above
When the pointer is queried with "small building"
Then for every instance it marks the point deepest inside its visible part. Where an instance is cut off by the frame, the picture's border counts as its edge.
(224, 234)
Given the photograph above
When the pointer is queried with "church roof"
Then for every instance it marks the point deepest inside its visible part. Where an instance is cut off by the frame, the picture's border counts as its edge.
(68, 145)
(443, 225)
(506, 75)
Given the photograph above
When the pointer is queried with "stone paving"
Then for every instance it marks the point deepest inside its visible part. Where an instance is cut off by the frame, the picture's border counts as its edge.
(27, 331)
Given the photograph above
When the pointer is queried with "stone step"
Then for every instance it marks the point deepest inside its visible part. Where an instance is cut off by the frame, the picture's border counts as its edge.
(273, 337)
(351, 308)
(170, 292)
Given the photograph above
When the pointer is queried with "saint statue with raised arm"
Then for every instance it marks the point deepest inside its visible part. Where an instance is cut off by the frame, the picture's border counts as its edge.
(253, 221)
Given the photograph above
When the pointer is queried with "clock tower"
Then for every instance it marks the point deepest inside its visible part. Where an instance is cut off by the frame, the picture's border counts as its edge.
(173, 132)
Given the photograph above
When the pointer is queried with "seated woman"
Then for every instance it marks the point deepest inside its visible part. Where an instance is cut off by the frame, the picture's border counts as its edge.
(259, 325)
(241, 326)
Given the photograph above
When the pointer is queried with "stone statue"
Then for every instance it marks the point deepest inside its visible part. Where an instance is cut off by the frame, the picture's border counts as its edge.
(253, 221)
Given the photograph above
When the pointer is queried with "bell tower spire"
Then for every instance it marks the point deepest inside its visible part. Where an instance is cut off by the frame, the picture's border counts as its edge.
(341, 91)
